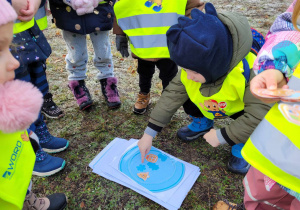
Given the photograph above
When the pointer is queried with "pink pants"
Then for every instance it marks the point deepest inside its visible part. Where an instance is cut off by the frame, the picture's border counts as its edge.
(258, 198)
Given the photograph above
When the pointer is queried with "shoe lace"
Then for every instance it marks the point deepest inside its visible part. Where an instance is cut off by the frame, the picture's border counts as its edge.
(81, 90)
(142, 100)
(40, 155)
(234, 207)
(43, 133)
(33, 202)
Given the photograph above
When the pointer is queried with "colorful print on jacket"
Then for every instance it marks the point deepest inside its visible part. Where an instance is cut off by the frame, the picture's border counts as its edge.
(30, 46)
(282, 48)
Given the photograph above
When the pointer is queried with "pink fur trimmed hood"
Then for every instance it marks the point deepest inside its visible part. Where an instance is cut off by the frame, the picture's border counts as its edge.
(20, 104)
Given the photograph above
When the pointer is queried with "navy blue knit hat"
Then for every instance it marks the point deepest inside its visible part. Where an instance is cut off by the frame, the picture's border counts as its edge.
(202, 44)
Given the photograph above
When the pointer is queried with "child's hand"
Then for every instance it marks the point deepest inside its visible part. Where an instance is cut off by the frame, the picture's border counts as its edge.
(28, 13)
(19, 5)
(270, 79)
(211, 138)
(145, 144)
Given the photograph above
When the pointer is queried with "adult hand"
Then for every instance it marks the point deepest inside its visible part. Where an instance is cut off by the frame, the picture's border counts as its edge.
(269, 79)
(32, 7)
(211, 138)
(122, 45)
(145, 144)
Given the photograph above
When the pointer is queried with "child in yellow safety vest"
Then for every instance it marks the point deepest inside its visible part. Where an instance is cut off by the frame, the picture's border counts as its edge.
(19, 107)
(31, 49)
(145, 24)
(273, 150)
(214, 51)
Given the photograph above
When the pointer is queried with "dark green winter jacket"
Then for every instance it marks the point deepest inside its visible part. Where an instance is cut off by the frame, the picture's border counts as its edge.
(175, 95)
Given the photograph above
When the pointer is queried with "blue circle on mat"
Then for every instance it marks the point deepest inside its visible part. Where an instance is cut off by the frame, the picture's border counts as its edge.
(164, 174)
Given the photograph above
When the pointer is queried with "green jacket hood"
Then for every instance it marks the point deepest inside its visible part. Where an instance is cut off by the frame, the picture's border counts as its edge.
(242, 41)
(241, 35)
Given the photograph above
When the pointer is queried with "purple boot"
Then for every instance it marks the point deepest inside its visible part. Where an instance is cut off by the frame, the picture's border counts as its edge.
(110, 92)
(81, 93)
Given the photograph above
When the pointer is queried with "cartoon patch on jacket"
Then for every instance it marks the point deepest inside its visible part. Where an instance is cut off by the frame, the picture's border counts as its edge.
(156, 8)
(290, 112)
(214, 107)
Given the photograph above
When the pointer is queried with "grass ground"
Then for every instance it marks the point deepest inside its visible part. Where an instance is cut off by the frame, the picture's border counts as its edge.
(89, 132)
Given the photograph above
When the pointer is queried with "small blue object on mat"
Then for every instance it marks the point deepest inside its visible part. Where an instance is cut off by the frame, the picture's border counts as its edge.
(163, 172)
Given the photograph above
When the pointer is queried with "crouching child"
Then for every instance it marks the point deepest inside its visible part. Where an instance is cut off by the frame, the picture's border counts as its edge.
(214, 51)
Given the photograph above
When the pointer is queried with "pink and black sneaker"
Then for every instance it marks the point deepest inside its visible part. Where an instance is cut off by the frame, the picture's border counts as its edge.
(110, 92)
(81, 93)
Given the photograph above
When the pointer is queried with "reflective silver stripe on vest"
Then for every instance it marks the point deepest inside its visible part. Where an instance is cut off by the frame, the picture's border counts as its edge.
(149, 41)
(40, 13)
(294, 83)
(148, 20)
(277, 148)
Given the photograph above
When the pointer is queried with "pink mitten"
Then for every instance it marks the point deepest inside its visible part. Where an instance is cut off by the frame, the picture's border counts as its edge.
(84, 6)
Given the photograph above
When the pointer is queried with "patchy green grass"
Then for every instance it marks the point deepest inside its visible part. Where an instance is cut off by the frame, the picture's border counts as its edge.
(89, 132)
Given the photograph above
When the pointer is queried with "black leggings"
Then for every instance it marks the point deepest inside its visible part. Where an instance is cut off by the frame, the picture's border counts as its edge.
(167, 71)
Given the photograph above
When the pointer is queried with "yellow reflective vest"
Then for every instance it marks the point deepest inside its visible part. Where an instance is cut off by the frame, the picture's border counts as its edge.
(17, 160)
(228, 101)
(147, 28)
(41, 18)
(20, 26)
(274, 146)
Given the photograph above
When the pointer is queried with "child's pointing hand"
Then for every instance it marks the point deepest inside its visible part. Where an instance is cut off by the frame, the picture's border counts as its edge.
(145, 144)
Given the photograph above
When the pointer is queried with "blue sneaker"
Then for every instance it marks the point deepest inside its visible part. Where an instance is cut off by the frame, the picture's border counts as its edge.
(48, 142)
(149, 3)
(237, 164)
(197, 128)
(47, 165)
